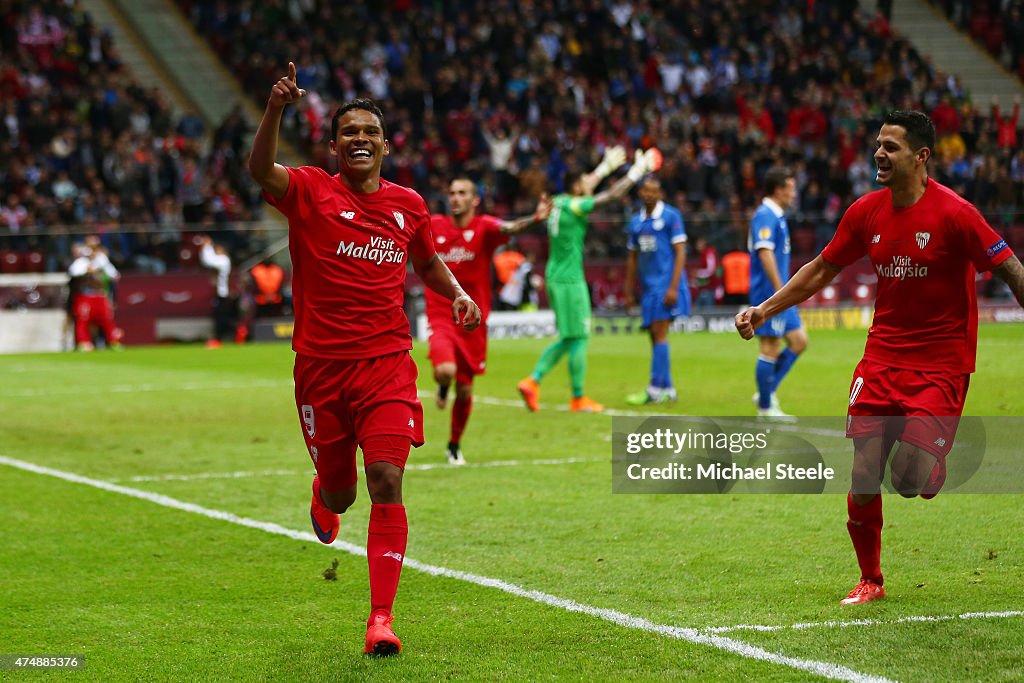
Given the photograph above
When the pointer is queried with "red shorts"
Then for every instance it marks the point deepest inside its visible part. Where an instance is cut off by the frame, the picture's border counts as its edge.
(926, 406)
(451, 344)
(343, 402)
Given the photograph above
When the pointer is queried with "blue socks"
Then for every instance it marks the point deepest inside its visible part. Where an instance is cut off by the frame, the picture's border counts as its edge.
(765, 375)
(770, 374)
(661, 374)
(782, 365)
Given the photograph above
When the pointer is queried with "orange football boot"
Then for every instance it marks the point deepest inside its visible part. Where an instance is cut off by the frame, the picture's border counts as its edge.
(865, 591)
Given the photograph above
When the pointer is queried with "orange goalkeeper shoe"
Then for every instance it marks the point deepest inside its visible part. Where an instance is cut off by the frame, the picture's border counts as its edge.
(530, 391)
(325, 522)
(585, 405)
(865, 591)
(380, 638)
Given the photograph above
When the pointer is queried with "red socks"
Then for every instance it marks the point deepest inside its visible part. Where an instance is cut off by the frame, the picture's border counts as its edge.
(385, 551)
(460, 416)
(865, 527)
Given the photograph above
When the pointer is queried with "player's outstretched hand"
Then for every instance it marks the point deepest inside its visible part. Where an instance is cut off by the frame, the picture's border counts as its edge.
(653, 159)
(639, 168)
(544, 207)
(614, 158)
(466, 312)
(749, 320)
(286, 91)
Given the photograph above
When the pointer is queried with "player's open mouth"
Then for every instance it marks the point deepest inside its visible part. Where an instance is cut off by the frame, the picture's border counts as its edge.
(360, 154)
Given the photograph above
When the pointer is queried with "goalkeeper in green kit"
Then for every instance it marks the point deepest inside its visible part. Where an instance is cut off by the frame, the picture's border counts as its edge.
(566, 283)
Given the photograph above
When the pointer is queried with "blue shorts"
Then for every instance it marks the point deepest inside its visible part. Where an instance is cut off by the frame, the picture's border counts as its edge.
(780, 325)
(652, 306)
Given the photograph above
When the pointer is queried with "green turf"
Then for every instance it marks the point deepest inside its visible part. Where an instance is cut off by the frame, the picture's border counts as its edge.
(148, 592)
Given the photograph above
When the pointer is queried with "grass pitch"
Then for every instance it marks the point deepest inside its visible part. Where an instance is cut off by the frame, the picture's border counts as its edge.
(147, 591)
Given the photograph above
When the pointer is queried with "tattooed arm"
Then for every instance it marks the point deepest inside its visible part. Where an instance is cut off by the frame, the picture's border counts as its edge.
(1011, 272)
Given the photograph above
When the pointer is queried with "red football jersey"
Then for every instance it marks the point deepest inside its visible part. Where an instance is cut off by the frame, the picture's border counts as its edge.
(349, 252)
(925, 256)
(467, 252)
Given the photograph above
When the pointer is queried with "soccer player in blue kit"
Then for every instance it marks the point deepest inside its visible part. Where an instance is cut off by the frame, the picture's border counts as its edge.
(769, 271)
(657, 255)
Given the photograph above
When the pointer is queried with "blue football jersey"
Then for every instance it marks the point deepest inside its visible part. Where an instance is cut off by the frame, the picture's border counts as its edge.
(768, 230)
(653, 237)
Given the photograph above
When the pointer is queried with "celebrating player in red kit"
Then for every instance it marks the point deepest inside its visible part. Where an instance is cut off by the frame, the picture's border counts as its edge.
(466, 241)
(355, 382)
(925, 243)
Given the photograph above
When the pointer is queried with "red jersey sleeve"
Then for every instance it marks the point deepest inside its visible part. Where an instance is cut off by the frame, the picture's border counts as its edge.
(848, 244)
(297, 197)
(982, 244)
(494, 237)
(421, 246)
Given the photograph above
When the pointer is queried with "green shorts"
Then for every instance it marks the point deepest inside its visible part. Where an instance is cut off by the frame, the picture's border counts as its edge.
(571, 304)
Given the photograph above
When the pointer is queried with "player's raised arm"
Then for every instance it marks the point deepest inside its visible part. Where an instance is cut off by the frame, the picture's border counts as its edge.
(540, 215)
(1011, 272)
(643, 163)
(435, 274)
(263, 167)
(809, 280)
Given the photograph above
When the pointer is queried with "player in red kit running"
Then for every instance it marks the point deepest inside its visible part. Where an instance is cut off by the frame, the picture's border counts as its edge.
(925, 243)
(466, 241)
(355, 382)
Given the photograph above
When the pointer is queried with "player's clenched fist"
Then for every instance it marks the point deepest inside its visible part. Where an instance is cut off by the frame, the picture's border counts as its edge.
(466, 313)
(749, 320)
(286, 91)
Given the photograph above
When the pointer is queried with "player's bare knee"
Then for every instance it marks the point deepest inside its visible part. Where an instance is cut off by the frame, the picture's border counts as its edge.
(339, 501)
(905, 486)
(384, 482)
(444, 373)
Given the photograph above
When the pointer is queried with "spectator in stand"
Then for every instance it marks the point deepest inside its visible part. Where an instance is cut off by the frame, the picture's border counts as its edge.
(1006, 127)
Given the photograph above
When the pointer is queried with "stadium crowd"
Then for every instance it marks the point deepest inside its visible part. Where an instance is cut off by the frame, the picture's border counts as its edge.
(513, 94)
(84, 148)
(996, 25)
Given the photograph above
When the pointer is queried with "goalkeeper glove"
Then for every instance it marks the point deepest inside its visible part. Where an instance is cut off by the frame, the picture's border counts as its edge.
(639, 168)
(614, 157)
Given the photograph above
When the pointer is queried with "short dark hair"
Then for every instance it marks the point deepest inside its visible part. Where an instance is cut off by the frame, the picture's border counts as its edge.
(775, 178)
(920, 129)
(463, 176)
(365, 105)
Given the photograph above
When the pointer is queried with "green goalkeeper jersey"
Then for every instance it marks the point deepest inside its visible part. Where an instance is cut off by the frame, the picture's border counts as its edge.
(567, 227)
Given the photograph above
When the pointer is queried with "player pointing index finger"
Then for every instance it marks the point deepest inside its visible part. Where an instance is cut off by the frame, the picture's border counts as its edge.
(350, 237)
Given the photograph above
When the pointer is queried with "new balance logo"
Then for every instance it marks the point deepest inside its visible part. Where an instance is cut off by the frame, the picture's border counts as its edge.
(348, 215)
(940, 442)
(411, 423)
(393, 555)
(876, 239)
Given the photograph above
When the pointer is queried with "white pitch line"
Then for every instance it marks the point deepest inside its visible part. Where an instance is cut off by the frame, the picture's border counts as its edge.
(692, 635)
(140, 388)
(414, 466)
(865, 622)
